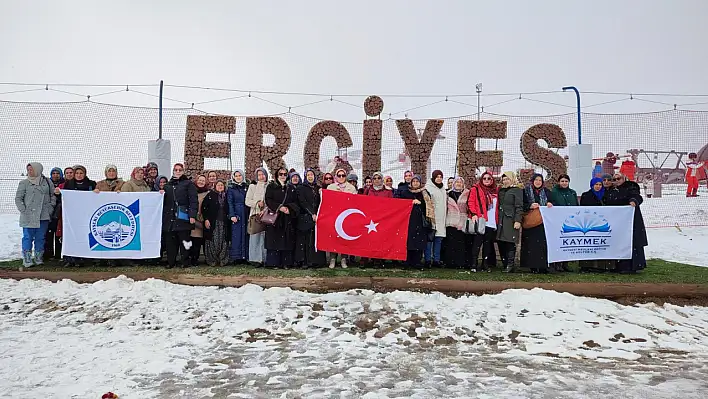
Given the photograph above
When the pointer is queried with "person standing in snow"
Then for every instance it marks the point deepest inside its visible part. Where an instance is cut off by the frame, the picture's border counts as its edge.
(438, 195)
(626, 192)
(534, 249)
(136, 184)
(52, 243)
(35, 200)
(111, 183)
(344, 186)
(197, 233)
(648, 185)
(217, 229)
(509, 213)
(238, 215)
(80, 182)
(280, 197)
(255, 201)
(482, 203)
(179, 213)
(595, 197)
(563, 195)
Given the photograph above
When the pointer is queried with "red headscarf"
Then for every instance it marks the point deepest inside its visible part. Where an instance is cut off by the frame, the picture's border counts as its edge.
(489, 191)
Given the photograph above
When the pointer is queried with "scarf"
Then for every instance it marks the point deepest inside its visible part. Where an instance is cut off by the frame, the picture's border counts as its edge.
(156, 185)
(378, 187)
(598, 194)
(489, 191)
(429, 206)
(221, 197)
(38, 168)
(534, 192)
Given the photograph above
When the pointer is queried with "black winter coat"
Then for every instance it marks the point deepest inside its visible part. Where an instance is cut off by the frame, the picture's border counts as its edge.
(281, 236)
(179, 194)
(627, 192)
(590, 199)
(83, 185)
(308, 200)
(210, 212)
(417, 234)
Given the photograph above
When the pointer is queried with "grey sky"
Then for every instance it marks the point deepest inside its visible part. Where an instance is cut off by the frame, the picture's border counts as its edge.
(367, 47)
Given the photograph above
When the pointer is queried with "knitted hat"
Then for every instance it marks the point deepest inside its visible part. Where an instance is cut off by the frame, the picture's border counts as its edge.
(352, 177)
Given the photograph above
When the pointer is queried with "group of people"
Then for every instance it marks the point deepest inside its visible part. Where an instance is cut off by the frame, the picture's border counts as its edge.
(452, 224)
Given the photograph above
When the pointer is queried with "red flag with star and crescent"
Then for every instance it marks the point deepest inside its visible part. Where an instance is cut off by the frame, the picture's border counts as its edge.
(363, 225)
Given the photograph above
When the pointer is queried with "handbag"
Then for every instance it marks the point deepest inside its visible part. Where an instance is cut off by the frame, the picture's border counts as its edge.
(254, 225)
(475, 227)
(269, 217)
(181, 213)
(531, 219)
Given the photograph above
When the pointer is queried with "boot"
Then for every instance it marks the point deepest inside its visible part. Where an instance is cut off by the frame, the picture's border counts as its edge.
(332, 262)
(27, 259)
(510, 258)
(344, 263)
(38, 258)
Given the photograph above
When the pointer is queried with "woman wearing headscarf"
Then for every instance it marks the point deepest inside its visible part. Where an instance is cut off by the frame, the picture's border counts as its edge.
(255, 201)
(627, 192)
(404, 185)
(150, 174)
(281, 197)
(197, 233)
(377, 188)
(308, 200)
(534, 252)
(212, 177)
(217, 232)
(509, 213)
(421, 221)
(483, 204)
(52, 241)
(160, 183)
(111, 182)
(327, 179)
(595, 197)
(388, 183)
(342, 185)
(238, 215)
(68, 175)
(79, 183)
(456, 241)
(137, 183)
(438, 195)
(294, 179)
(563, 195)
(179, 213)
(35, 200)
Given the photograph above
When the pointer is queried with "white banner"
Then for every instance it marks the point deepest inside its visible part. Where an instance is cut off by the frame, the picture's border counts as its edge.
(111, 225)
(588, 232)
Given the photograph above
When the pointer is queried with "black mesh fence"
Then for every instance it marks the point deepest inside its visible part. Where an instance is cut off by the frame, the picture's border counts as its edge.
(94, 134)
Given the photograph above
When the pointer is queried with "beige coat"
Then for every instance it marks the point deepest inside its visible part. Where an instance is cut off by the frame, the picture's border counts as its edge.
(255, 193)
(439, 197)
(135, 186)
(348, 188)
(198, 230)
(103, 185)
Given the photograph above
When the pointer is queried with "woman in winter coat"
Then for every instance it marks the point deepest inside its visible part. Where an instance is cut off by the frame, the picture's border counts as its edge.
(150, 174)
(438, 195)
(255, 201)
(534, 252)
(342, 185)
(160, 183)
(456, 241)
(595, 197)
(280, 237)
(308, 200)
(52, 241)
(212, 177)
(648, 185)
(563, 195)
(388, 183)
(421, 221)
(627, 192)
(79, 183)
(377, 188)
(217, 229)
(137, 183)
(238, 215)
(404, 185)
(35, 200)
(483, 204)
(327, 179)
(509, 212)
(179, 213)
(111, 182)
(197, 233)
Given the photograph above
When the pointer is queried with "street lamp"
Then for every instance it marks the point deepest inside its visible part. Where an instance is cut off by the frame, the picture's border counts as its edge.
(479, 92)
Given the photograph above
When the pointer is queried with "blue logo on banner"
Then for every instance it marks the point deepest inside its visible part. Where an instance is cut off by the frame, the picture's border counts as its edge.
(585, 231)
(585, 223)
(115, 227)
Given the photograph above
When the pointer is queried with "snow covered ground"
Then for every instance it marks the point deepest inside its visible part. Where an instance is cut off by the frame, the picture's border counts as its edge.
(153, 339)
(684, 245)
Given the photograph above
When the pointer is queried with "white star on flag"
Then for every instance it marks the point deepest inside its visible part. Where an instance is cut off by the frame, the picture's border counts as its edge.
(372, 227)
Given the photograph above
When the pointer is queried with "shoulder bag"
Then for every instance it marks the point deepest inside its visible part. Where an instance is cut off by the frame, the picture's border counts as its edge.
(471, 226)
(269, 217)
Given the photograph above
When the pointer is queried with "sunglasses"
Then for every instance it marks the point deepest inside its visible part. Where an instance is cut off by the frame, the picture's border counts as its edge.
(282, 174)
(617, 179)
(328, 178)
(486, 178)
(341, 175)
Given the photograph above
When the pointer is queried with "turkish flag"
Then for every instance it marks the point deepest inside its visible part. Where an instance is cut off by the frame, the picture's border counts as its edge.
(363, 225)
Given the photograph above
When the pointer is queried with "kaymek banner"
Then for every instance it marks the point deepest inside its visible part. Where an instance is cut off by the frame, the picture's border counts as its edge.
(588, 232)
(111, 225)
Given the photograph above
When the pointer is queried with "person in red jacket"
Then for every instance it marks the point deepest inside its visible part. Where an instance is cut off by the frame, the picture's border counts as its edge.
(482, 203)
(377, 188)
(628, 168)
(692, 172)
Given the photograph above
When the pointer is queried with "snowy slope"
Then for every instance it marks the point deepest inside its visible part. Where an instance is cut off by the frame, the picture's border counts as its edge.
(154, 339)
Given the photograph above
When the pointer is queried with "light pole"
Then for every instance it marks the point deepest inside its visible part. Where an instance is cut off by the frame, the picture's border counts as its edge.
(479, 93)
(577, 98)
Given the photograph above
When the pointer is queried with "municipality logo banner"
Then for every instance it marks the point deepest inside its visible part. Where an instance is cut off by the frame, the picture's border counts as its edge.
(588, 232)
(111, 225)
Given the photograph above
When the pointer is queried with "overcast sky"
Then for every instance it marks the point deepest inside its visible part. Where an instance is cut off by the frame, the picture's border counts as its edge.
(366, 47)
